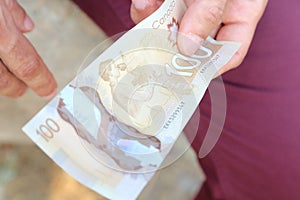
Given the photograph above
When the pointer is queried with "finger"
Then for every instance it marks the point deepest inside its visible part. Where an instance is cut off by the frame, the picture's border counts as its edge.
(238, 32)
(24, 62)
(200, 19)
(214, 32)
(188, 2)
(22, 59)
(140, 9)
(9, 85)
(21, 19)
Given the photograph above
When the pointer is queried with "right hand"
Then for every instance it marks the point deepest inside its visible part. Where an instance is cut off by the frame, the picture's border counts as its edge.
(20, 64)
(226, 20)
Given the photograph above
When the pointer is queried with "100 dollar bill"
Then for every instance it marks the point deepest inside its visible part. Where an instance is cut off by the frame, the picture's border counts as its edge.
(113, 125)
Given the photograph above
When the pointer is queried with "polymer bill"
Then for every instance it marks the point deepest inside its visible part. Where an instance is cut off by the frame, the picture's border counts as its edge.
(113, 125)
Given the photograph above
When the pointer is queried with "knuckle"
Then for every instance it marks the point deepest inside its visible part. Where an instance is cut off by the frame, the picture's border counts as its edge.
(28, 70)
(9, 4)
(214, 14)
(9, 43)
(4, 22)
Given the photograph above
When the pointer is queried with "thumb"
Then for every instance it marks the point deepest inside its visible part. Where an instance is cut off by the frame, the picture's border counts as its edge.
(200, 19)
(140, 9)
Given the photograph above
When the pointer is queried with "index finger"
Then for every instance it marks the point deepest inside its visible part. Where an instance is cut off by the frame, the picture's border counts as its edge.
(24, 62)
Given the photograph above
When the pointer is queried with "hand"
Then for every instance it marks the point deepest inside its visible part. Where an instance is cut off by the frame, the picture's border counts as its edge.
(228, 20)
(20, 65)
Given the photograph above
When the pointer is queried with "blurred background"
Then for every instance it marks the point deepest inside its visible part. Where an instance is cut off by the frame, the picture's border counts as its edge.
(63, 36)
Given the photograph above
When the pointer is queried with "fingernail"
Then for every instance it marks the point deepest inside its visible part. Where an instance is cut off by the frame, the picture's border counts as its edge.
(140, 4)
(50, 96)
(28, 23)
(189, 43)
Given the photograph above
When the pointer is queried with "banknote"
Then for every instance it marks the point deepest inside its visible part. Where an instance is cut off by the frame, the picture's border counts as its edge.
(113, 125)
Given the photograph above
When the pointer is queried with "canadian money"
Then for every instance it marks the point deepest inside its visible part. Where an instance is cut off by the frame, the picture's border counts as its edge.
(113, 125)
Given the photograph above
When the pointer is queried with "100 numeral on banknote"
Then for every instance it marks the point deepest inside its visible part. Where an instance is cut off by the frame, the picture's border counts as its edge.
(48, 129)
(113, 125)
